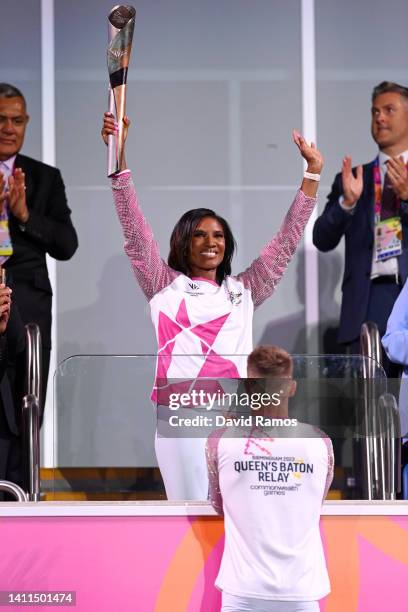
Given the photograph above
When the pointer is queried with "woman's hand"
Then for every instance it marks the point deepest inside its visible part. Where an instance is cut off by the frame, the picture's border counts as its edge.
(111, 127)
(314, 161)
(310, 153)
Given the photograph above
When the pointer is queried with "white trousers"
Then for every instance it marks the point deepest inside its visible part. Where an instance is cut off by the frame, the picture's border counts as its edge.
(233, 603)
(183, 467)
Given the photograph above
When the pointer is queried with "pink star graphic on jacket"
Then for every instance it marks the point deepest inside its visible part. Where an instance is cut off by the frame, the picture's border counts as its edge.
(214, 364)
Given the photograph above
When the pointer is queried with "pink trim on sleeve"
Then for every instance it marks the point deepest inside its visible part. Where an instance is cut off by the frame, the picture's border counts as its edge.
(330, 460)
(211, 452)
(330, 466)
(265, 272)
(151, 272)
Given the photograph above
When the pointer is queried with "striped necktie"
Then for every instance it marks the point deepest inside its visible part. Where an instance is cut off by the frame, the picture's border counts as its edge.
(6, 248)
(389, 200)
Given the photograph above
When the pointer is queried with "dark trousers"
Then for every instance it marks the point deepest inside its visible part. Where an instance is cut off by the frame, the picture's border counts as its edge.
(10, 456)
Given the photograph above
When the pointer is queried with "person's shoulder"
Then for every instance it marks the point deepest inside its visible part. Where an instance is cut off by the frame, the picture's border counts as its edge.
(36, 165)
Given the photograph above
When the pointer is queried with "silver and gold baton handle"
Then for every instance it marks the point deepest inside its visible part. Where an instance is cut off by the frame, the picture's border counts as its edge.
(121, 24)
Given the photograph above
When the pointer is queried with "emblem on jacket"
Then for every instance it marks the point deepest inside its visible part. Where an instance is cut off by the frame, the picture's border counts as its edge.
(235, 297)
(193, 289)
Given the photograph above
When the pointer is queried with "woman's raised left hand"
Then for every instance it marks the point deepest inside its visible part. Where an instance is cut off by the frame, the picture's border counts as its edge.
(310, 153)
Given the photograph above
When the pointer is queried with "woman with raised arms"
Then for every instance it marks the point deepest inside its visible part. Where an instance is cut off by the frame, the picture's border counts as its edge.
(202, 314)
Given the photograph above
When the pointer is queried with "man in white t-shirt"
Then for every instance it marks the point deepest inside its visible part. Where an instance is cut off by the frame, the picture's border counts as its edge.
(269, 481)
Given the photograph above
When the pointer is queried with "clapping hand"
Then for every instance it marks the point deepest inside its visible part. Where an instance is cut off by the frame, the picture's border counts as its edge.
(352, 185)
(17, 196)
(398, 175)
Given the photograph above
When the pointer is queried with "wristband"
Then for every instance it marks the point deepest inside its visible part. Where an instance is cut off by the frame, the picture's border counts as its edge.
(311, 176)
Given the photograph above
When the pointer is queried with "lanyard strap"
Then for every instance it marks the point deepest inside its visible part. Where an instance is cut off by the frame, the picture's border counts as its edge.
(378, 191)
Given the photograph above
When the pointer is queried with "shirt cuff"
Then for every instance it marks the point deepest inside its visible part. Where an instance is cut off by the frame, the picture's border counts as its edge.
(348, 209)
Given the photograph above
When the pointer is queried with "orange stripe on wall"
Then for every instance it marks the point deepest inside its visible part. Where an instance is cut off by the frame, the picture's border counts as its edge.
(187, 564)
(342, 562)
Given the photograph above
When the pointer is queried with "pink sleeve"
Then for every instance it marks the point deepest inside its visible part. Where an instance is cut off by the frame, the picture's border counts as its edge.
(265, 272)
(152, 273)
(330, 466)
(214, 492)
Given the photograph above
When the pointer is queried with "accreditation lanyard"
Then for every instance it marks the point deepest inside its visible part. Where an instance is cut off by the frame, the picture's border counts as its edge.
(378, 191)
(6, 247)
(388, 233)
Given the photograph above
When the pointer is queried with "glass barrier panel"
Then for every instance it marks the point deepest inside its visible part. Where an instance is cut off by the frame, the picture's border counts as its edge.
(124, 431)
(104, 429)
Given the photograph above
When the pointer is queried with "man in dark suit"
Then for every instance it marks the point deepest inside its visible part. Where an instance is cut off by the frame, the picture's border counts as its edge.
(39, 220)
(360, 202)
(12, 389)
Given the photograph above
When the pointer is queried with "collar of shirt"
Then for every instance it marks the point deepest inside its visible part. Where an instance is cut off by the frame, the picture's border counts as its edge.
(383, 158)
(6, 167)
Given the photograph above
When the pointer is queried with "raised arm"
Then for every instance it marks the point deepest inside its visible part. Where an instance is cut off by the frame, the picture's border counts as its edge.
(266, 271)
(151, 272)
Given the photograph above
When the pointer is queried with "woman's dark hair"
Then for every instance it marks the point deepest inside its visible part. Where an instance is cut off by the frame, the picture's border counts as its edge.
(181, 237)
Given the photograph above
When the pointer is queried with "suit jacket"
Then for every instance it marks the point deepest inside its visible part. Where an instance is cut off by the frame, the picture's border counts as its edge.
(12, 371)
(358, 231)
(48, 230)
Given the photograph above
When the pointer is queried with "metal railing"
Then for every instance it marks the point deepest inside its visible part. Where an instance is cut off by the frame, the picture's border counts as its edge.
(30, 423)
(390, 449)
(13, 489)
(381, 426)
(370, 344)
(33, 347)
(31, 413)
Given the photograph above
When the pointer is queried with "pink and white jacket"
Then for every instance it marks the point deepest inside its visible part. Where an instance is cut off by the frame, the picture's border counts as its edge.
(203, 329)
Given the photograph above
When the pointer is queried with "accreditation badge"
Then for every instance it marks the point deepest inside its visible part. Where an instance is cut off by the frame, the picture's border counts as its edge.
(388, 238)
